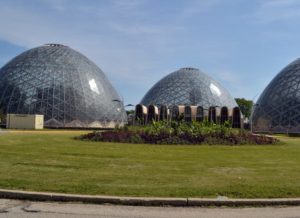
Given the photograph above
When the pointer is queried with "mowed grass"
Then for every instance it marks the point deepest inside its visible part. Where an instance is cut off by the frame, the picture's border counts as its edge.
(54, 161)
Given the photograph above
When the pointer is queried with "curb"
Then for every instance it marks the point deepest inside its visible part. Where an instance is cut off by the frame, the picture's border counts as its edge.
(141, 201)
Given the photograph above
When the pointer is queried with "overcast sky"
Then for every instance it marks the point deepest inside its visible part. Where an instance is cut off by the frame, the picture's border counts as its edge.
(242, 44)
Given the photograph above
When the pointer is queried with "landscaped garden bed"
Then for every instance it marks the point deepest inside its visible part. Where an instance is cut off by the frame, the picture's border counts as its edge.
(181, 133)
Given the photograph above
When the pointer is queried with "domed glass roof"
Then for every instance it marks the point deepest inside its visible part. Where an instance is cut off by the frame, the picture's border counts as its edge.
(188, 86)
(278, 108)
(63, 85)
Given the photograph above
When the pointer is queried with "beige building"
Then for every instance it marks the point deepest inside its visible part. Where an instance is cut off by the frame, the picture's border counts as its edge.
(24, 121)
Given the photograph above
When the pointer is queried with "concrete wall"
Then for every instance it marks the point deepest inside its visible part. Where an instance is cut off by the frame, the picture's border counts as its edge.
(24, 121)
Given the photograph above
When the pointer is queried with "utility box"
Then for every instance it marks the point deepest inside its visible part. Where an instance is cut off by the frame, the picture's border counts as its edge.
(24, 121)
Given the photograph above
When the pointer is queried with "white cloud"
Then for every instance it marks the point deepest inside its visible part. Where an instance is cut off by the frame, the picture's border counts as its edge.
(195, 7)
(58, 5)
(120, 36)
(29, 27)
(228, 76)
(127, 4)
(277, 10)
(233, 82)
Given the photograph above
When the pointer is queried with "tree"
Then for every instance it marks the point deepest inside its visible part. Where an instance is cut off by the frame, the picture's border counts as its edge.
(129, 112)
(245, 106)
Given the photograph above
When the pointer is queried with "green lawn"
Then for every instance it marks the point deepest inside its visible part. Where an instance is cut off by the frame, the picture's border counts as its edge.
(54, 161)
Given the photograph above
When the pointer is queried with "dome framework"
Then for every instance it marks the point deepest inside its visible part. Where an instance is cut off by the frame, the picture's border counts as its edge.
(278, 108)
(189, 93)
(188, 86)
(63, 85)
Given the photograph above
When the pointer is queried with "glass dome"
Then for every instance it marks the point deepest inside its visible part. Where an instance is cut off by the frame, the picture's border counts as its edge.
(278, 107)
(63, 85)
(188, 86)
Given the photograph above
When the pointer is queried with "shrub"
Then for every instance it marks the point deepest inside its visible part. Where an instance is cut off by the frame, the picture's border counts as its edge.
(180, 133)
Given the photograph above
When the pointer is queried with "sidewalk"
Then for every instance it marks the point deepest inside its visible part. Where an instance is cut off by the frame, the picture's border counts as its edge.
(145, 201)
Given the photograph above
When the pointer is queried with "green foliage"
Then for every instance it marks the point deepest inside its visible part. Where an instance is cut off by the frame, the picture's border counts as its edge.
(157, 127)
(129, 112)
(180, 132)
(245, 106)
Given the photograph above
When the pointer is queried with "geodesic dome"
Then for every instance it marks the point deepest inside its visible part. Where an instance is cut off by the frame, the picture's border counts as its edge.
(278, 107)
(63, 85)
(188, 86)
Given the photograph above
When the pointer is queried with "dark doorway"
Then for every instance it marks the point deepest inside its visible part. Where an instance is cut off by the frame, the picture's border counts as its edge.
(236, 118)
(224, 115)
(212, 116)
(163, 114)
(199, 114)
(188, 114)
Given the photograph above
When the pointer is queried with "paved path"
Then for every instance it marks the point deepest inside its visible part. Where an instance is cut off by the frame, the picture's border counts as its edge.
(16, 208)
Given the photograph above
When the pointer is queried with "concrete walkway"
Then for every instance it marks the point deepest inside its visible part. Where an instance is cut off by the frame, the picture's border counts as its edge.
(18, 209)
(140, 201)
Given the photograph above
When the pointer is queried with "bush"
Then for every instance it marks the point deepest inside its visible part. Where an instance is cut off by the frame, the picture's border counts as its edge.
(180, 133)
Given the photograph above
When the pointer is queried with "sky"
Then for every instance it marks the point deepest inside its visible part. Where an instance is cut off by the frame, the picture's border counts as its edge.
(240, 43)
